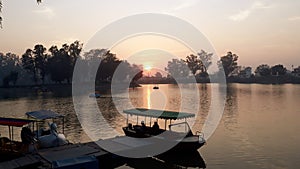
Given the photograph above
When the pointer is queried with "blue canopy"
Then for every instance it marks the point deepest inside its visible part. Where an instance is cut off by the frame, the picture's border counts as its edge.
(43, 114)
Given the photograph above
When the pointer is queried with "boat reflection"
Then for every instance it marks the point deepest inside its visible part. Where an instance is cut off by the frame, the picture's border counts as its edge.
(169, 160)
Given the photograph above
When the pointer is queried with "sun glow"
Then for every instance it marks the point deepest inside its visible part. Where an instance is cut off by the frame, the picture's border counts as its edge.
(148, 68)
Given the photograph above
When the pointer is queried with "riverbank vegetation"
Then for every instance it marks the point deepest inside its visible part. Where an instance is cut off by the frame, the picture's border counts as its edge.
(55, 66)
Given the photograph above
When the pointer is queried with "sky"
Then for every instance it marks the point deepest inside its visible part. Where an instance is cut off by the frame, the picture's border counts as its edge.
(258, 31)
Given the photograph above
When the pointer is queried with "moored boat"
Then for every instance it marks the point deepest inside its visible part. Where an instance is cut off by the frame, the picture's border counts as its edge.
(11, 148)
(48, 137)
(182, 140)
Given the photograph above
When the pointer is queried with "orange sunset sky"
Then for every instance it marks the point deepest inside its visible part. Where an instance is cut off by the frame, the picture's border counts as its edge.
(258, 31)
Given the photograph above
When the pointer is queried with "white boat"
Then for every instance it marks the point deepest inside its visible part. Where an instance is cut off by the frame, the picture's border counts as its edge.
(48, 137)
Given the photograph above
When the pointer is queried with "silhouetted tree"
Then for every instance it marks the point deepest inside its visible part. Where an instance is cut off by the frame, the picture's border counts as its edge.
(28, 64)
(194, 63)
(9, 68)
(40, 60)
(296, 70)
(12, 77)
(278, 70)
(229, 63)
(124, 71)
(56, 65)
(206, 59)
(137, 76)
(71, 53)
(158, 75)
(263, 70)
(135, 72)
(177, 68)
(107, 67)
(62, 61)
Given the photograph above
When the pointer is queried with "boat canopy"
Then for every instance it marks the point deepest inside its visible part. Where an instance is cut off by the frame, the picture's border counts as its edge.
(43, 114)
(14, 122)
(163, 114)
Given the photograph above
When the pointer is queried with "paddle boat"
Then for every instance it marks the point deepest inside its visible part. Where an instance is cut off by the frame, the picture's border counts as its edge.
(48, 137)
(11, 148)
(184, 141)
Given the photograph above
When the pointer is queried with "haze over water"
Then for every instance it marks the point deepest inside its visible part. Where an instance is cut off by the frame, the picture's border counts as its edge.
(259, 127)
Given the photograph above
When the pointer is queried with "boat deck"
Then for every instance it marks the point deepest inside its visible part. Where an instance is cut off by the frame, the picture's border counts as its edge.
(122, 145)
(28, 161)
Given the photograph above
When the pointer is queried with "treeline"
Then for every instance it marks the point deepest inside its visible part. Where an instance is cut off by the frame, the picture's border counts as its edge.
(39, 66)
(198, 65)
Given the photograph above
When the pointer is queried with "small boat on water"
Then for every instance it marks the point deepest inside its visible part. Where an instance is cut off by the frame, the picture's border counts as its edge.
(184, 141)
(96, 95)
(155, 87)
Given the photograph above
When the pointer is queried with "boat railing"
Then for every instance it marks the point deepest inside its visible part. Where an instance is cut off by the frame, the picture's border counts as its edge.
(200, 136)
(186, 126)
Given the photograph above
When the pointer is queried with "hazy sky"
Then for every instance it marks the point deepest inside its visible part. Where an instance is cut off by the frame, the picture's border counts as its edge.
(261, 31)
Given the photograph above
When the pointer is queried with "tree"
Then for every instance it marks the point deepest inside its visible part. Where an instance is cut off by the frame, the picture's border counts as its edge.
(136, 72)
(194, 63)
(12, 77)
(229, 63)
(56, 64)
(206, 61)
(177, 68)
(40, 60)
(28, 63)
(137, 76)
(62, 61)
(263, 70)
(158, 75)
(71, 54)
(107, 67)
(278, 70)
(9, 68)
(111, 67)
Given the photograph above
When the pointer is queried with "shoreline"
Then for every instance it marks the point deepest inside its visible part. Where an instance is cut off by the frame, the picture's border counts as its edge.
(108, 86)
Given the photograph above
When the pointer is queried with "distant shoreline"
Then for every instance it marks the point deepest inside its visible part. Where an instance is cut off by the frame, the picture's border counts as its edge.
(101, 86)
(251, 80)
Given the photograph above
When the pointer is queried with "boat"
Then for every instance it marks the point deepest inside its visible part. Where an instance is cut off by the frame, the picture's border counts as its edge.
(9, 147)
(184, 141)
(96, 95)
(155, 87)
(48, 137)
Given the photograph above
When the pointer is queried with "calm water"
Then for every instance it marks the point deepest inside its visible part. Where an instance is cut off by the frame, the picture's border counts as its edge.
(259, 128)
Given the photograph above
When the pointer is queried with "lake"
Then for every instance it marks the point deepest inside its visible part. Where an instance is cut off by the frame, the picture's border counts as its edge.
(259, 127)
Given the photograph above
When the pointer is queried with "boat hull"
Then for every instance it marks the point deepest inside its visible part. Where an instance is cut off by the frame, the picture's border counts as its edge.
(187, 144)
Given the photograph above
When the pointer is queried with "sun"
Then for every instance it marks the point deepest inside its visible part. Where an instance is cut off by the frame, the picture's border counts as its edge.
(148, 68)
